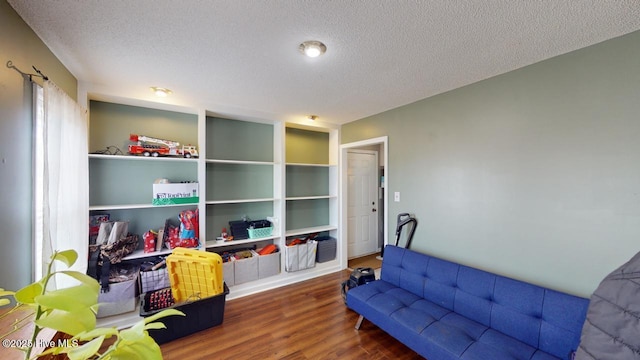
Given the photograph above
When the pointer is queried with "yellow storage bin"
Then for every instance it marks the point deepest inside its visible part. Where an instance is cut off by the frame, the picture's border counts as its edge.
(194, 274)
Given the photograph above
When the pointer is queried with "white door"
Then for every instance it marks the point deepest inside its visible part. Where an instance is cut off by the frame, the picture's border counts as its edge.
(362, 203)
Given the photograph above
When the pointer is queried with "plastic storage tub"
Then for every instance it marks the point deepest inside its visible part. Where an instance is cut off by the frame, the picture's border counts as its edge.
(194, 273)
(199, 315)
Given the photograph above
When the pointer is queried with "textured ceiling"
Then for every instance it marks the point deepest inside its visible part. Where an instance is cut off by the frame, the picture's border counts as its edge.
(240, 58)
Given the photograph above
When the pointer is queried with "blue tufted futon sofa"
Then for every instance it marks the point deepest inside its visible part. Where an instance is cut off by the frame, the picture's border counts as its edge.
(443, 310)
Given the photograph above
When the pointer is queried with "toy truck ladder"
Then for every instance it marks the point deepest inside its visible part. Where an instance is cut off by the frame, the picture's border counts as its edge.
(148, 139)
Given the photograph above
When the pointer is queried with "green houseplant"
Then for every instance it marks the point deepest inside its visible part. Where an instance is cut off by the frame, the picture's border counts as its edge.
(73, 311)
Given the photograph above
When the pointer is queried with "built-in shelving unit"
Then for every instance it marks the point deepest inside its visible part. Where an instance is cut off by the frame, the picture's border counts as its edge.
(246, 168)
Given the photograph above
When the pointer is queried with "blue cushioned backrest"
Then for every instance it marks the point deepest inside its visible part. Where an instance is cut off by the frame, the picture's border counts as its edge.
(562, 318)
(392, 264)
(440, 286)
(414, 272)
(474, 297)
(517, 309)
(543, 318)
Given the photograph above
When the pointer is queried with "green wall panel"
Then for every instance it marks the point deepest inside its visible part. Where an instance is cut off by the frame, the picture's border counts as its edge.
(307, 181)
(239, 181)
(130, 181)
(307, 213)
(219, 215)
(306, 147)
(111, 125)
(239, 140)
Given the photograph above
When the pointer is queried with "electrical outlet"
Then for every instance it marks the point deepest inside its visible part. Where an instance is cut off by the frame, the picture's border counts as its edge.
(396, 196)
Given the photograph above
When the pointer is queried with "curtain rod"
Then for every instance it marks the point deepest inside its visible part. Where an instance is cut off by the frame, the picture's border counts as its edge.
(38, 72)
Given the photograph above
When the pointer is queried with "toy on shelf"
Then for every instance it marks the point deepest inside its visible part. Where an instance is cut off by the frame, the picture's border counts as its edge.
(150, 146)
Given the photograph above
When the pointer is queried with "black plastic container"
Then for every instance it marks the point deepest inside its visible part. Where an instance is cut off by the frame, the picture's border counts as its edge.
(199, 315)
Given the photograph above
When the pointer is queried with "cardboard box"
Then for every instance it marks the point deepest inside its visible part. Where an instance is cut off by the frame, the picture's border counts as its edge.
(268, 265)
(175, 194)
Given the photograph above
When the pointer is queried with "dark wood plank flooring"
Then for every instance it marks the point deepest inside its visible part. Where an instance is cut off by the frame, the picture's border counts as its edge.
(308, 320)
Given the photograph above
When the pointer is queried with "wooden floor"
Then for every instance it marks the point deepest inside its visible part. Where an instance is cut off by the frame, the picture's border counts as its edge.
(373, 261)
(308, 320)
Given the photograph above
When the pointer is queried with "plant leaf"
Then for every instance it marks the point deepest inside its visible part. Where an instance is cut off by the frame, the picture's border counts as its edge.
(134, 333)
(4, 292)
(27, 294)
(72, 323)
(163, 313)
(83, 278)
(68, 257)
(86, 350)
(4, 302)
(91, 334)
(69, 299)
(155, 325)
(145, 348)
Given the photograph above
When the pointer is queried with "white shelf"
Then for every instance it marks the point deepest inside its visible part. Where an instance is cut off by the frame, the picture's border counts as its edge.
(238, 201)
(224, 198)
(310, 165)
(136, 206)
(310, 230)
(140, 158)
(239, 162)
(215, 243)
(310, 197)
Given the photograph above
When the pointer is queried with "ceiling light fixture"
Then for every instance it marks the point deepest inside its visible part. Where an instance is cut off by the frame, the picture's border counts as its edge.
(161, 92)
(312, 117)
(312, 48)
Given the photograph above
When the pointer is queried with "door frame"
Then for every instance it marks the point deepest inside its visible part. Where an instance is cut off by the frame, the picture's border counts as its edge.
(343, 191)
(376, 156)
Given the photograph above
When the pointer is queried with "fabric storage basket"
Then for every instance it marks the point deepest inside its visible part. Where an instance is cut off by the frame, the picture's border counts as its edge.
(121, 297)
(327, 247)
(154, 280)
(301, 256)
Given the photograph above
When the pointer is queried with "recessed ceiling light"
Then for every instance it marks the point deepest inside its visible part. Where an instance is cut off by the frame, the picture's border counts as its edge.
(312, 117)
(312, 48)
(161, 92)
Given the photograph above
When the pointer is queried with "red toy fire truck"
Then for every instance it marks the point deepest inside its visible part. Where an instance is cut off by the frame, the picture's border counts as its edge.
(150, 146)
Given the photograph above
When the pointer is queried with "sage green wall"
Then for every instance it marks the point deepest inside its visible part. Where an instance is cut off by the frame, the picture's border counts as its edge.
(534, 174)
(22, 46)
(306, 147)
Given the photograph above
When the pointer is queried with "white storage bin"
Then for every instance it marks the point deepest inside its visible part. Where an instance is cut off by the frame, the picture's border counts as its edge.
(301, 256)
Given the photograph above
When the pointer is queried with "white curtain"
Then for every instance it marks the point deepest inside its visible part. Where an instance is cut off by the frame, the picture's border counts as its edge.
(65, 175)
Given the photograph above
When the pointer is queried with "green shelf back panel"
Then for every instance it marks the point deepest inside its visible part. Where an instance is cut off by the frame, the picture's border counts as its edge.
(306, 147)
(239, 140)
(239, 181)
(142, 220)
(111, 124)
(129, 181)
(307, 181)
(219, 215)
(307, 213)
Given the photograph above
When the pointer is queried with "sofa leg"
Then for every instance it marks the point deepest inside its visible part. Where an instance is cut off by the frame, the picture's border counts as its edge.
(359, 322)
